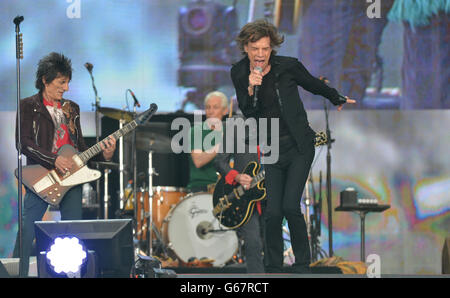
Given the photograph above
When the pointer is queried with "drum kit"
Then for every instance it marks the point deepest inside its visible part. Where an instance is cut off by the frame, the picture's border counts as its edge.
(169, 221)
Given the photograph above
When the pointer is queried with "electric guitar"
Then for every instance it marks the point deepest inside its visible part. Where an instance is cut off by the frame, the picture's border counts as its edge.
(233, 205)
(51, 185)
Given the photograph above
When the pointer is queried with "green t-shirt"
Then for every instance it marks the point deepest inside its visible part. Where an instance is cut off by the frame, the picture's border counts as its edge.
(201, 177)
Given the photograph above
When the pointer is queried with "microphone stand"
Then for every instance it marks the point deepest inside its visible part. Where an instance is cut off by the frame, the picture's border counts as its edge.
(96, 105)
(134, 163)
(328, 182)
(19, 55)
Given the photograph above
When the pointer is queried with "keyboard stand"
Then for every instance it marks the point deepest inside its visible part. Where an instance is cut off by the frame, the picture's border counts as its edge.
(362, 210)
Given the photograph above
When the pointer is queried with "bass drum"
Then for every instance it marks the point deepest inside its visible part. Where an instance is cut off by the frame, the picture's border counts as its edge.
(191, 231)
(164, 198)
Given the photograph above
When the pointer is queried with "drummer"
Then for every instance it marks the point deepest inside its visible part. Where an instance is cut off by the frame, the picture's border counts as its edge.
(202, 173)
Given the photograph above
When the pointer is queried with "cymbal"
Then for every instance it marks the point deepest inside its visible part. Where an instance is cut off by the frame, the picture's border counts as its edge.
(117, 114)
(107, 164)
(151, 141)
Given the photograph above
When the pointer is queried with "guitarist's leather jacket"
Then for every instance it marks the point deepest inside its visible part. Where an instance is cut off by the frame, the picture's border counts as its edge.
(37, 131)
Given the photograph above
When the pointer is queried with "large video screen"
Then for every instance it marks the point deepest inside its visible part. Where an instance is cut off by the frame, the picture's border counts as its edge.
(171, 52)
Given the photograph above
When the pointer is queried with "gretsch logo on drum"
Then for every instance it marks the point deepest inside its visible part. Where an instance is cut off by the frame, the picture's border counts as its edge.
(194, 211)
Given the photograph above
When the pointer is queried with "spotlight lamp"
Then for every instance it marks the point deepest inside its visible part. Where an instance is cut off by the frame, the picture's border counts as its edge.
(67, 255)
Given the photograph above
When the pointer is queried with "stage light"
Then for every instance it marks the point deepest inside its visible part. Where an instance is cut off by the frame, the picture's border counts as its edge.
(67, 255)
(206, 47)
(107, 243)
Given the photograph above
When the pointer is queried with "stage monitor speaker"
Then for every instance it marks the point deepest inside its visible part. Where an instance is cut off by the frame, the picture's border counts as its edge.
(3, 272)
(446, 257)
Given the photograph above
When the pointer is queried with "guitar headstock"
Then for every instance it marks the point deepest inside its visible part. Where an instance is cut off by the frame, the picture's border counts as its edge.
(145, 116)
(320, 138)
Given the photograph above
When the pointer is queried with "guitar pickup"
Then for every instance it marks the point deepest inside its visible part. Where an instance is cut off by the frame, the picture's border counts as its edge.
(44, 183)
(223, 205)
(78, 161)
(55, 176)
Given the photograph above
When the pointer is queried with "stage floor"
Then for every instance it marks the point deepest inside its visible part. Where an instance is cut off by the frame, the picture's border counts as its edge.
(229, 272)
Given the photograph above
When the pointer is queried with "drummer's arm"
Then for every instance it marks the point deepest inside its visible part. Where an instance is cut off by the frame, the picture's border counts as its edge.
(201, 158)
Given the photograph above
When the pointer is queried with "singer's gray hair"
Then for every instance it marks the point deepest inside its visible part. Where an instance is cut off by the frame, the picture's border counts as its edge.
(219, 94)
(52, 66)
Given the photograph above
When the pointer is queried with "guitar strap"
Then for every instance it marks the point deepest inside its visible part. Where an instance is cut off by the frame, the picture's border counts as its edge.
(258, 203)
(69, 113)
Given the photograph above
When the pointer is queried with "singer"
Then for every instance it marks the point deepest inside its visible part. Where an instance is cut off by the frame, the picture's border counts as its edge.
(48, 122)
(266, 87)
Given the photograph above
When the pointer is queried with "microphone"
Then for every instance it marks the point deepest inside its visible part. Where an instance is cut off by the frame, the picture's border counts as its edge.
(89, 66)
(154, 107)
(255, 99)
(136, 102)
(18, 20)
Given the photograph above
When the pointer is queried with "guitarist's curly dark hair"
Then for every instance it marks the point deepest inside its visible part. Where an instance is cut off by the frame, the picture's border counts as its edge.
(52, 66)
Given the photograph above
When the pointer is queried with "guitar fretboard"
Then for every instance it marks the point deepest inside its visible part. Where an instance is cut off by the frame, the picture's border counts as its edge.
(257, 178)
(96, 149)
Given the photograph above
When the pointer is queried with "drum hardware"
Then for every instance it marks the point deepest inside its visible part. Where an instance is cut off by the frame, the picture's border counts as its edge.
(205, 228)
(151, 141)
(106, 196)
(89, 196)
(121, 170)
(123, 117)
(107, 166)
(151, 172)
(148, 140)
(117, 114)
(164, 199)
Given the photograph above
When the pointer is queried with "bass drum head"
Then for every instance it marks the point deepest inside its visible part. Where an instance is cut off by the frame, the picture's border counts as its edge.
(190, 230)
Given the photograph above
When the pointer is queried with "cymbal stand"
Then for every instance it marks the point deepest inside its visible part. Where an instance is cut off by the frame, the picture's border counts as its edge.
(151, 172)
(106, 194)
(121, 187)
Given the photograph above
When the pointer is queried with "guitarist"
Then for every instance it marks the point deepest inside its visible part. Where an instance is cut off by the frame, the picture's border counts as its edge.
(250, 231)
(47, 123)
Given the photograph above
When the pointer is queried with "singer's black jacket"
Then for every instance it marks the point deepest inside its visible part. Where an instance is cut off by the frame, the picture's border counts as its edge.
(289, 73)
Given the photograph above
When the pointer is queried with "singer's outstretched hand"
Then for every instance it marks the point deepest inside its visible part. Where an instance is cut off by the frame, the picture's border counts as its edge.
(352, 101)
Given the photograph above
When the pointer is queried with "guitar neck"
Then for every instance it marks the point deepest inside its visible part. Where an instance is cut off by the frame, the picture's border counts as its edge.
(96, 149)
(257, 179)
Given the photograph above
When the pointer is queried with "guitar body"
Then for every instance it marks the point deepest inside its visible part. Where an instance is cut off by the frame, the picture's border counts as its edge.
(233, 205)
(51, 185)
